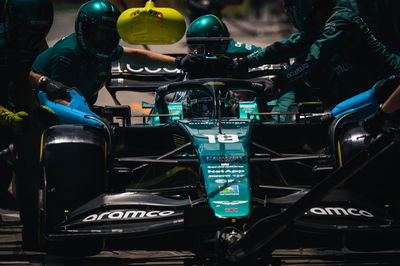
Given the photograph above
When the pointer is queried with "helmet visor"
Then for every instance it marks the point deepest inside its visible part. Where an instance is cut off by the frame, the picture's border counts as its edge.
(104, 39)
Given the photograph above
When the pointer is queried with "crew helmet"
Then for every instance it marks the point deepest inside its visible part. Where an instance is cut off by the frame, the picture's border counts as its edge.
(208, 26)
(299, 11)
(27, 22)
(96, 28)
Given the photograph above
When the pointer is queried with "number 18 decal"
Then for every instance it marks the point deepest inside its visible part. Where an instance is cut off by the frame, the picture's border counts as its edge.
(223, 138)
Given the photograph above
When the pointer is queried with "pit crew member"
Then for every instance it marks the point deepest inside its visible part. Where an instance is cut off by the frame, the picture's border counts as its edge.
(22, 38)
(211, 26)
(83, 59)
(336, 55)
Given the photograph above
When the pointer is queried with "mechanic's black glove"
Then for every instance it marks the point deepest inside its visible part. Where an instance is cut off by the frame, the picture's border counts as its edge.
(54, 89)
(384, 88)
(188, 63)
(240, 65)
(279, 82)
(274, 87)
(373, 124)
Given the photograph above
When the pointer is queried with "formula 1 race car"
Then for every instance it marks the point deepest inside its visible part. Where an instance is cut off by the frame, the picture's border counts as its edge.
(209, 169)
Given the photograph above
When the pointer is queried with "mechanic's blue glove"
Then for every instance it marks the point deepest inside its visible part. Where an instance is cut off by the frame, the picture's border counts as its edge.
(373, 124)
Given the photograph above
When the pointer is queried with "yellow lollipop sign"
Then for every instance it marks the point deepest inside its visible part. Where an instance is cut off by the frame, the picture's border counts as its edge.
(151, 25)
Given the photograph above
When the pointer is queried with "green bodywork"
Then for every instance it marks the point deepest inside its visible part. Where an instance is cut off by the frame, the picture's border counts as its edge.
(224, 162)
(220, 142)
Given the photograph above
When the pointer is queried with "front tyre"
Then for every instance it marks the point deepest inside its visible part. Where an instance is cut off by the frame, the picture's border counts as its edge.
(74, 165)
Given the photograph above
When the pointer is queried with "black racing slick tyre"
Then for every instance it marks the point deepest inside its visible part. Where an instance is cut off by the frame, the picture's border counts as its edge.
(74, 164)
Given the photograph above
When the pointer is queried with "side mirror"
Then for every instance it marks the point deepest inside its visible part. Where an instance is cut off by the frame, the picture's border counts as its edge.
(151, 25)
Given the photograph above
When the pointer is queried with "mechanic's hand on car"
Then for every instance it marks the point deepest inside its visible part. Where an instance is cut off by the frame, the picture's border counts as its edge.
(373, 124)
(274, 87)
(240, 65)
(54, 89)
(269, 91)
(189, 63)
(17, 122)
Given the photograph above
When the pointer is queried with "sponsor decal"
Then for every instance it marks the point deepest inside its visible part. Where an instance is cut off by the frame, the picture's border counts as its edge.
(225, 159)
(127, 215)
(338, 211)
(231, 202)
(223, 171)
(231, 190)
(112, 19)
(224, 122)
(149, 70)
(343, 68)
(225, 165)
(298, 70)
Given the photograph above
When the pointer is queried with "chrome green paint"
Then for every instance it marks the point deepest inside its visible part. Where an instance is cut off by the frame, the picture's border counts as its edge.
(248, 108)
(207, 26)
(175, 109)
(224, 162)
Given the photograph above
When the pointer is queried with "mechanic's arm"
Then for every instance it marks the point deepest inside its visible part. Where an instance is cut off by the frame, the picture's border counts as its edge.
(295, 45)
(392, 104)
(55, 91)
(145, 58)
(374, 123)
(335, 36)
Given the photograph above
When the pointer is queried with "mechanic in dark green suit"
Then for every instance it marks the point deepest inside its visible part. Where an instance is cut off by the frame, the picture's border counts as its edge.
(22, 38)
(83, 59)
(212, 26)
(335, 53)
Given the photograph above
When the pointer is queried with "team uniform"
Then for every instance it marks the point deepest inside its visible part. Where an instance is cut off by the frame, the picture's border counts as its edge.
(67, 63)
(15, 64)
(341, 60)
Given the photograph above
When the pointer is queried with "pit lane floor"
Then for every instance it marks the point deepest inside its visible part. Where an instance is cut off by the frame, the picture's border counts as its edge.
(11, 253)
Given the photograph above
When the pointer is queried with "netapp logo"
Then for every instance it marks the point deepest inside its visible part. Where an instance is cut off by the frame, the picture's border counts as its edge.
(337, 211)
(226, 171)
(126, 215)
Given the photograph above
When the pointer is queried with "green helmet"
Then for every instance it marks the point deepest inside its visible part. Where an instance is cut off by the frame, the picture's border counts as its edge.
(27, 22)
(299, 11)
(207, 26)
(96, 28)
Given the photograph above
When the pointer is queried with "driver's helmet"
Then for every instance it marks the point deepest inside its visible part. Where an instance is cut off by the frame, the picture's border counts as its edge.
(96, 28)
(299, 11)
(208, 26)
(27, 22)
(199, 104)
